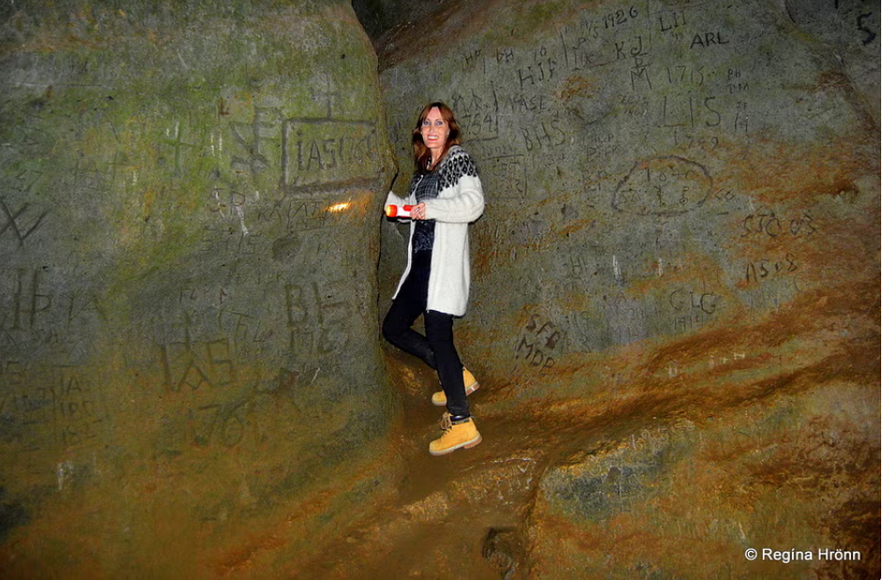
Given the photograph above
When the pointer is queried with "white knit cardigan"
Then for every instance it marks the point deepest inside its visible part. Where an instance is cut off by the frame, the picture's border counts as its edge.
(460, 202)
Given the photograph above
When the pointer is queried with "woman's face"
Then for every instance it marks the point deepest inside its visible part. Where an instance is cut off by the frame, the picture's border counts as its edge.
(434, 131)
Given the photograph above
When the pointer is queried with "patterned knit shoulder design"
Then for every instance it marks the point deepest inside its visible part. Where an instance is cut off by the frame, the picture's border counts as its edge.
(414, 180)
(458, 164)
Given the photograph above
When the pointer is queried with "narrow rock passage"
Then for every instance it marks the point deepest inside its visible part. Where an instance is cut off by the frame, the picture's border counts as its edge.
(686, 449)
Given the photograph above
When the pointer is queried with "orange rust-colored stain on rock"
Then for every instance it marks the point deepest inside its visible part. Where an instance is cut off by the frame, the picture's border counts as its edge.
(807, 311)
(786, 173)
(748, 472)
(284, 529)
(575, 86)
(238, 559)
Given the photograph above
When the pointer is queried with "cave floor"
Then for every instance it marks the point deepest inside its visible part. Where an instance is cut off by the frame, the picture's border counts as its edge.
(761, 436)
(776, 444)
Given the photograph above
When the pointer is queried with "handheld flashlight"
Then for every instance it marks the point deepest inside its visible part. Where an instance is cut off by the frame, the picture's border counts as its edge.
(398, 210)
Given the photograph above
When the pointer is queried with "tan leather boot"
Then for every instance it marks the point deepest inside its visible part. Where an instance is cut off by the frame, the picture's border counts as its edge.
(440, 400)
(457, 434)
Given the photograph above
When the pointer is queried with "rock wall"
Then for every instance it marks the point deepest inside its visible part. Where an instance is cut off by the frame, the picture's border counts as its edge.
(678, 268)
(651, 170)
(189, 195)
(675, 308)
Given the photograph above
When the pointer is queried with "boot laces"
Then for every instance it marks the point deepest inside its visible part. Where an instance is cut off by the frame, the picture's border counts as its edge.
(445, 422)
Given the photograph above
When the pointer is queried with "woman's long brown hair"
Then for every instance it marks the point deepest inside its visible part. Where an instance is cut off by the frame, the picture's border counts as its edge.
(422, 154)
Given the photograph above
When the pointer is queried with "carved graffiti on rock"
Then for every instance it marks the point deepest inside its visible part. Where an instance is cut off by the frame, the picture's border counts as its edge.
(325, 154)
(663, 186)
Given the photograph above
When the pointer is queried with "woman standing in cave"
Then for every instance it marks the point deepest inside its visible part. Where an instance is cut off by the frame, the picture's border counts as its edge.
(445, 195)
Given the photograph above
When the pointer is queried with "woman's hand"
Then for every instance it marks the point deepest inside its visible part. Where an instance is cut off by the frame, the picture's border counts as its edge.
(418, 212)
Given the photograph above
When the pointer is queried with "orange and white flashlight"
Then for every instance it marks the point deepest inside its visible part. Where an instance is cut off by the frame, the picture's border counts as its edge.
(399, 210)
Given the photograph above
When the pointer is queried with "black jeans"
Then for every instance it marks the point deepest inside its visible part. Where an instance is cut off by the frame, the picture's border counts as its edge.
(437, 348)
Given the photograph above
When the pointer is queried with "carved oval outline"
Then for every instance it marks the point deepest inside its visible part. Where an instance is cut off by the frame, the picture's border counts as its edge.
(643, 163)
